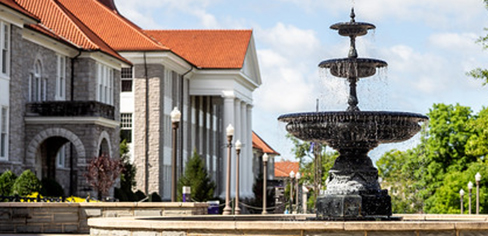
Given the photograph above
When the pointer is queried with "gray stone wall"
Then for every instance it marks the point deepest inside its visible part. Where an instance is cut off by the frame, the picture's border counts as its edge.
(85, 81)
(18, 84)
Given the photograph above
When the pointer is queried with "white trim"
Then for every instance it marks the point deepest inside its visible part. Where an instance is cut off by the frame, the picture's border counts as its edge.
(48, 42)
(72, 120)
(170, 60)
(105, 59)
(6, 131)
(60, 94)
(15, 17)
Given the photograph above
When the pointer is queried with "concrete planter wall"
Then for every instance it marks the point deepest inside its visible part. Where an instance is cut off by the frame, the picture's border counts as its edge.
(65, 217)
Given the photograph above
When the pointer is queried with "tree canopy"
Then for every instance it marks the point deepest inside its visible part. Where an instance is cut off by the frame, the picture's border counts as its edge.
(452, 150)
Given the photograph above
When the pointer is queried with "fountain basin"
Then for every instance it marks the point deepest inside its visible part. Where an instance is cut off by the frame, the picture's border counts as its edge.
(292, 225)
(340, 129)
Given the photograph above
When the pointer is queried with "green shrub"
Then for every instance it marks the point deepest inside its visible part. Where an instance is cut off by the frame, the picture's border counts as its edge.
(7, 180)
(51, 188)
(26, 184)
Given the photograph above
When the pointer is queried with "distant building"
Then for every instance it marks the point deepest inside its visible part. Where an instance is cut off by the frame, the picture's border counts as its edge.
(282, 170)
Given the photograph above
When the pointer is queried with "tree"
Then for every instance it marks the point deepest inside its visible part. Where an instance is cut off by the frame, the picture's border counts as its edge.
(428, 177)
(197, 177)
(480, 73)
(102, 173)
(309, 155)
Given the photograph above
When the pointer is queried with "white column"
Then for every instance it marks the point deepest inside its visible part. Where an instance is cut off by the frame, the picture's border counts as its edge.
(237, 136)
(246, 191)
(248, 148)
(229, 118)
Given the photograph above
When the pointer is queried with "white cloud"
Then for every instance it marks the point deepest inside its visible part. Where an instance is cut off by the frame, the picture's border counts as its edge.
(455, 42)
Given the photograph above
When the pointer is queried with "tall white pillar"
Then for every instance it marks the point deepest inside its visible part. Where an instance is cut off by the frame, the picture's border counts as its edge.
(228, 118)
(248, 149)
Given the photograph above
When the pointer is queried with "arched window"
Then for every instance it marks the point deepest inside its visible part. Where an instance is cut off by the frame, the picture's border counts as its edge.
(37, 84)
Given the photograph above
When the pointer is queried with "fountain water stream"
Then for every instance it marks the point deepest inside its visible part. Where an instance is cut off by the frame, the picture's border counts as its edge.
(353, 191)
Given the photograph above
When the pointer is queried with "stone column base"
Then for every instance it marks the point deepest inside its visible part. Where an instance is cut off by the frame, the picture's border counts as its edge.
(362, 206)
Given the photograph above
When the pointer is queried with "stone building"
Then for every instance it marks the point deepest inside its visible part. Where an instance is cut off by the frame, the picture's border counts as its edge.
(119, 76)
(59, 98)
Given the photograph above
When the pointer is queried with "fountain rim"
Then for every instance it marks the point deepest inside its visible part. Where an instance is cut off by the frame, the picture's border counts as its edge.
(349, 24)
(359, 115)
(362, 60)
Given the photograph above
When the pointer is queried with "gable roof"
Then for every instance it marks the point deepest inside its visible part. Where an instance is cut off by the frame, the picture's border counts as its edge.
(283, 168)
(258, 142)
(64, 24)
(209, 49)
(120, 33)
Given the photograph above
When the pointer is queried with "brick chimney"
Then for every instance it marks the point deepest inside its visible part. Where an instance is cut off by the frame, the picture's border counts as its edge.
(110, 4)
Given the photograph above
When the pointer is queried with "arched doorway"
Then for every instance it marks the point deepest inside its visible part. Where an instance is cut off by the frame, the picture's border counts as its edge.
(56, 153)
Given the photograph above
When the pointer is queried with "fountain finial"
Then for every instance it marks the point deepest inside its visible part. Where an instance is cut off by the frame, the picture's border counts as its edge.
(352, 15)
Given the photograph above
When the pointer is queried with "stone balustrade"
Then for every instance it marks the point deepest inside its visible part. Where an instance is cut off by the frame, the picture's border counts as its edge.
(65, 217)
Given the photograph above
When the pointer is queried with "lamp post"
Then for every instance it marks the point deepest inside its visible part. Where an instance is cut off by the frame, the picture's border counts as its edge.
(478, 179)
(265, 179)
(470, 187)
(175, 121)
(297, 177)
(237, 210)
(230, 134)
(461, 195)
(292, 176)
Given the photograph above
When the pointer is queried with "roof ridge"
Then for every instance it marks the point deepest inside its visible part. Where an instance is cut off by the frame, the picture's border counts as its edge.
(132, 25)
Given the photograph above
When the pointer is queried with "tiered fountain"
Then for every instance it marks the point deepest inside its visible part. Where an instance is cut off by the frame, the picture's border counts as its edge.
(353, 191)
(353, 194)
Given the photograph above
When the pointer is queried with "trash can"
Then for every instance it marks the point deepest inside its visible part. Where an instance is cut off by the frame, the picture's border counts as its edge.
(213, 207)
(186, 194)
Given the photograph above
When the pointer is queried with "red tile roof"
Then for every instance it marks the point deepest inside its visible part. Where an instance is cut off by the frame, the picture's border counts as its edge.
(258, 142)
(120, 33)
(63, 23)
(283, 168)
(213, 49)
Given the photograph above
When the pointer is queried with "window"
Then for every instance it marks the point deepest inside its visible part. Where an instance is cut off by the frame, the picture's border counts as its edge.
(61, 78)
(3, 133)
(37, 84)
(126, 127)
(126, 75)
(61, 156)
(105, 84)
(5, 47)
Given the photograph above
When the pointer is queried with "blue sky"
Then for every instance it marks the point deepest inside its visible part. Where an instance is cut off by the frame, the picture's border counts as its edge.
(429, 47)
